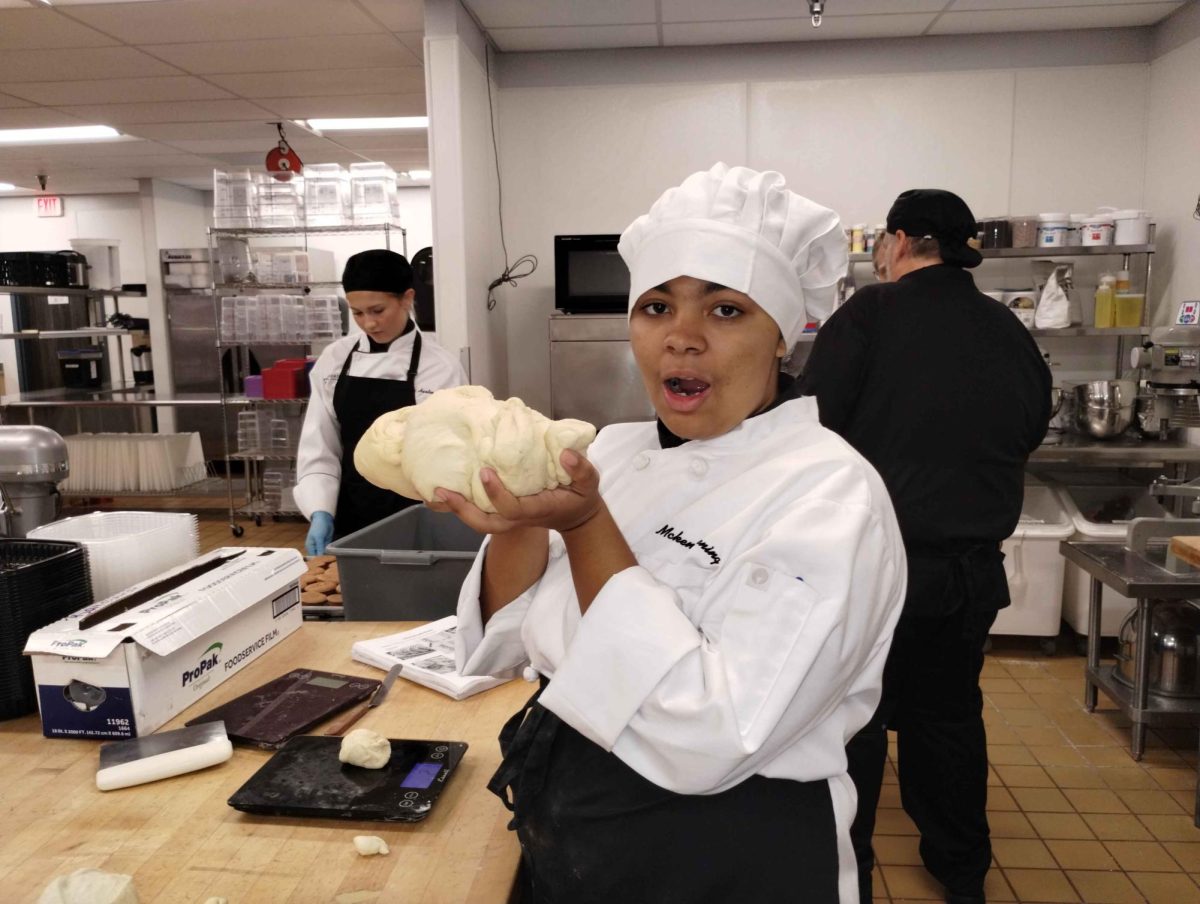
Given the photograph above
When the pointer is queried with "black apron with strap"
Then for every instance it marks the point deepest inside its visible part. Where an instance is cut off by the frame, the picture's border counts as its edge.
(940, 581)
(593, 830)
(357, 402)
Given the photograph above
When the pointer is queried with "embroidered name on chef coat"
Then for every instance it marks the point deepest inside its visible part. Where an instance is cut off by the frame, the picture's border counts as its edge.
(677, 536)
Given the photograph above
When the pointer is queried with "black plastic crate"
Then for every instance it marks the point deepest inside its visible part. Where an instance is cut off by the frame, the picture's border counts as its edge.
(41, 581)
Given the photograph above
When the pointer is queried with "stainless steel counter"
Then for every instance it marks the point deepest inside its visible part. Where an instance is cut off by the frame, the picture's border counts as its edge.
(1124, 450)
(1146, 578)
(111, 397)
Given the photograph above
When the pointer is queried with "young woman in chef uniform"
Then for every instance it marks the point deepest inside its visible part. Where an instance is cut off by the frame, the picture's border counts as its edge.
(388, 365)
(709, 604)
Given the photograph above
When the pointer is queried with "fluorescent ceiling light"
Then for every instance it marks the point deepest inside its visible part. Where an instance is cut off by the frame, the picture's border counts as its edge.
(50, 136)
(368, 124)
(7, 186)
(418, 174)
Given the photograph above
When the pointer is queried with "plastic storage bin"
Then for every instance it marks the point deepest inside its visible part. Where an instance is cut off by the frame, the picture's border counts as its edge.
(40, 582)
(1034, 568)
(408, 566)
(1101, 514)
(124, 548)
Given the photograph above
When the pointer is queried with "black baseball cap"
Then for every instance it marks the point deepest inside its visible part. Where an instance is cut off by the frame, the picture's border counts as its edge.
(942, 215)
(377, 270)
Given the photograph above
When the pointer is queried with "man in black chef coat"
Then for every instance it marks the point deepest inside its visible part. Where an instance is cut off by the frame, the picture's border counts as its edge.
(944, 391)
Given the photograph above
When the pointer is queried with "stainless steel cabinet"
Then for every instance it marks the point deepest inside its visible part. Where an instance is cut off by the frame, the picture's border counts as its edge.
(593, 376)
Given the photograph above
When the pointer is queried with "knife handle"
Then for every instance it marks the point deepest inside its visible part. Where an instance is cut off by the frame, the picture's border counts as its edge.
(347, 719)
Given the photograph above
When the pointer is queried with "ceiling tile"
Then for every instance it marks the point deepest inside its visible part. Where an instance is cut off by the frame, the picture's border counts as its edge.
(179, 111)
(85, 63)
(31, 29)
(1052, 18)
(127, 149)
(38, 118)
(286, 54)
(116, 90)
(735, 10)
(13, 4)
(414, 41)
(397, 15)
(304, 145)
(171, 21)
(358, 105)
(7, 100)
(323, 82)
(83, 183)
(172, 132)
(531, 13)
(752, 31)
(519, 39)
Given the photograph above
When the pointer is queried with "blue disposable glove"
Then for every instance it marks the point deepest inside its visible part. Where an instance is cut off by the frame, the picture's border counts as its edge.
(320, 532)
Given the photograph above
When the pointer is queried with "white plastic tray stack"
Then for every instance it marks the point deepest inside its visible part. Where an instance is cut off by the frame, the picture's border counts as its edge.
(127, 547)
(133, 462)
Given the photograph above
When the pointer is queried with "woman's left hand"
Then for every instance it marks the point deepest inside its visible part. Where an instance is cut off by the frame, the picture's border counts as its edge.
(560, 509)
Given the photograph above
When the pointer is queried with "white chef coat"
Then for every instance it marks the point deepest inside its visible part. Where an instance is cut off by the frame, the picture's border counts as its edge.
(751, 636)
(319, 455)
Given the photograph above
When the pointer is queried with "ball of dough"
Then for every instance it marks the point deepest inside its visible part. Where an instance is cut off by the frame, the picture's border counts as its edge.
(90, 886)
(363, 747)
(444, 441)
(367, 845)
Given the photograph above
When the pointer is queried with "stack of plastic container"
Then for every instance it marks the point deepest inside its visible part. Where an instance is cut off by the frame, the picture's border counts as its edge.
(235, 199)
(373, 193)
(40, 583)
(326, 194)
(251, 430)
(124, 548)
(133, 462)
(280, 204)
(323, 318)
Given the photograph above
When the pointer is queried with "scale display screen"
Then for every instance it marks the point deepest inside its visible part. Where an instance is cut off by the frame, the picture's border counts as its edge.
(421, 776)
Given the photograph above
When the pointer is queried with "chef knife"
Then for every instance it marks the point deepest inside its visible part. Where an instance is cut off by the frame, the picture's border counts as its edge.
(343, 724)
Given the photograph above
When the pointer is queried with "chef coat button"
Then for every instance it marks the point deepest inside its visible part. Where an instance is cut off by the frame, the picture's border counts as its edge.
(698, 467)
(759, 576)
(556, 550)
(641, 461)
(530, 674)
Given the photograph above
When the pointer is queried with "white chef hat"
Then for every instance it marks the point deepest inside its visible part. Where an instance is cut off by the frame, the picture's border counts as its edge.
(742, 229)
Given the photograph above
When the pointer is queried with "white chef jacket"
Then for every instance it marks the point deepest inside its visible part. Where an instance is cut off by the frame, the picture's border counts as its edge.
(319, 455)
(751, 636)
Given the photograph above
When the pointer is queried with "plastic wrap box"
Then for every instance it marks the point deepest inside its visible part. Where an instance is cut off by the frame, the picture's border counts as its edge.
(408, 566)
(122, 667)
(1101, 514)
(1034, 567)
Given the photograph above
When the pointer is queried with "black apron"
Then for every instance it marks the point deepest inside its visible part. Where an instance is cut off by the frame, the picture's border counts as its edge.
(593, 830)
(357, 402)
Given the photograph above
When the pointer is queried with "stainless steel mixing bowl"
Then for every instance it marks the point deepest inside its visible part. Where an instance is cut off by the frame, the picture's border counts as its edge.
(1104, 408)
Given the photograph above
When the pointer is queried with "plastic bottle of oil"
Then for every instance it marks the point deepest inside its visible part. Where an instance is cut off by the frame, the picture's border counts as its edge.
(1105, 307)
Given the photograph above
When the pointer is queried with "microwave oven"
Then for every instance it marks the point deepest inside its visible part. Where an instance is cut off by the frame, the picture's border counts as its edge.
(589, 275)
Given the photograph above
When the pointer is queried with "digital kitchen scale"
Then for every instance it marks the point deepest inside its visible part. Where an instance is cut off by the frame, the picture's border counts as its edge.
(288, 706)
(306, 778)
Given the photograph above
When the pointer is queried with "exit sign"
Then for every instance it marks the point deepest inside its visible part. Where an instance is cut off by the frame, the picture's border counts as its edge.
(48, 206)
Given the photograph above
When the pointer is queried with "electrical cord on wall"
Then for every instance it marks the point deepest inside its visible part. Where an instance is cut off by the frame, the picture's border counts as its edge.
(522, 266)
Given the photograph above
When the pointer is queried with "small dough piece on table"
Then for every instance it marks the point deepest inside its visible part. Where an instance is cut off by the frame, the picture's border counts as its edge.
(90, 886)
(444, 441)
(363, 747)
(366, 845)
(217, 901)
(308, 598)
(322, 587)
(322, 560)
(334, 599)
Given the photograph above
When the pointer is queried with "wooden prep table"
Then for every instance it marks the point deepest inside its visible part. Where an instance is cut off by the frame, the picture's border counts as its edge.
(182, 843)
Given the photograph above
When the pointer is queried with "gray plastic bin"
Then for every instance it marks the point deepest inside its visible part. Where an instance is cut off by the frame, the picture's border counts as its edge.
(407, 567)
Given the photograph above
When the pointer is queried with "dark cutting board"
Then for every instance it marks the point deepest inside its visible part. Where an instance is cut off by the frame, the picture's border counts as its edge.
(305, 778)
(288, 706)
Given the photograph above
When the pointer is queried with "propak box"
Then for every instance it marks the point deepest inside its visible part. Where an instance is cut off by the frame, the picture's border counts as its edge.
(125, 665)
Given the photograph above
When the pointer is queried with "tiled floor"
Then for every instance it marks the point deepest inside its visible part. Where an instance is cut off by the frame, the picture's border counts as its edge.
(1074, 818)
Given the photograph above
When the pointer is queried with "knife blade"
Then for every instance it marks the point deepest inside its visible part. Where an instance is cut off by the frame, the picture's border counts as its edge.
(342, 725)
(382, 691)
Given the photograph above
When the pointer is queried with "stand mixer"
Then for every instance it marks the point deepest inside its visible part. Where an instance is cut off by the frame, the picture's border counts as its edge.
(1170, 364)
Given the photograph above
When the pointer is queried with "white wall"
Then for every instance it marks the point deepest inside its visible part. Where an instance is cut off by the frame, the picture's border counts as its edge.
(1173, 180)
(584, 157)
(466, 223)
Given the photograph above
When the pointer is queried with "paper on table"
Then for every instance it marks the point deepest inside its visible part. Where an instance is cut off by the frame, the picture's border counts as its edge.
(427, 653)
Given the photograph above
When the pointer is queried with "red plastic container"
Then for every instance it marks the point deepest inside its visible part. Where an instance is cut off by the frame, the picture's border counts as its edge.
(287, 378)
